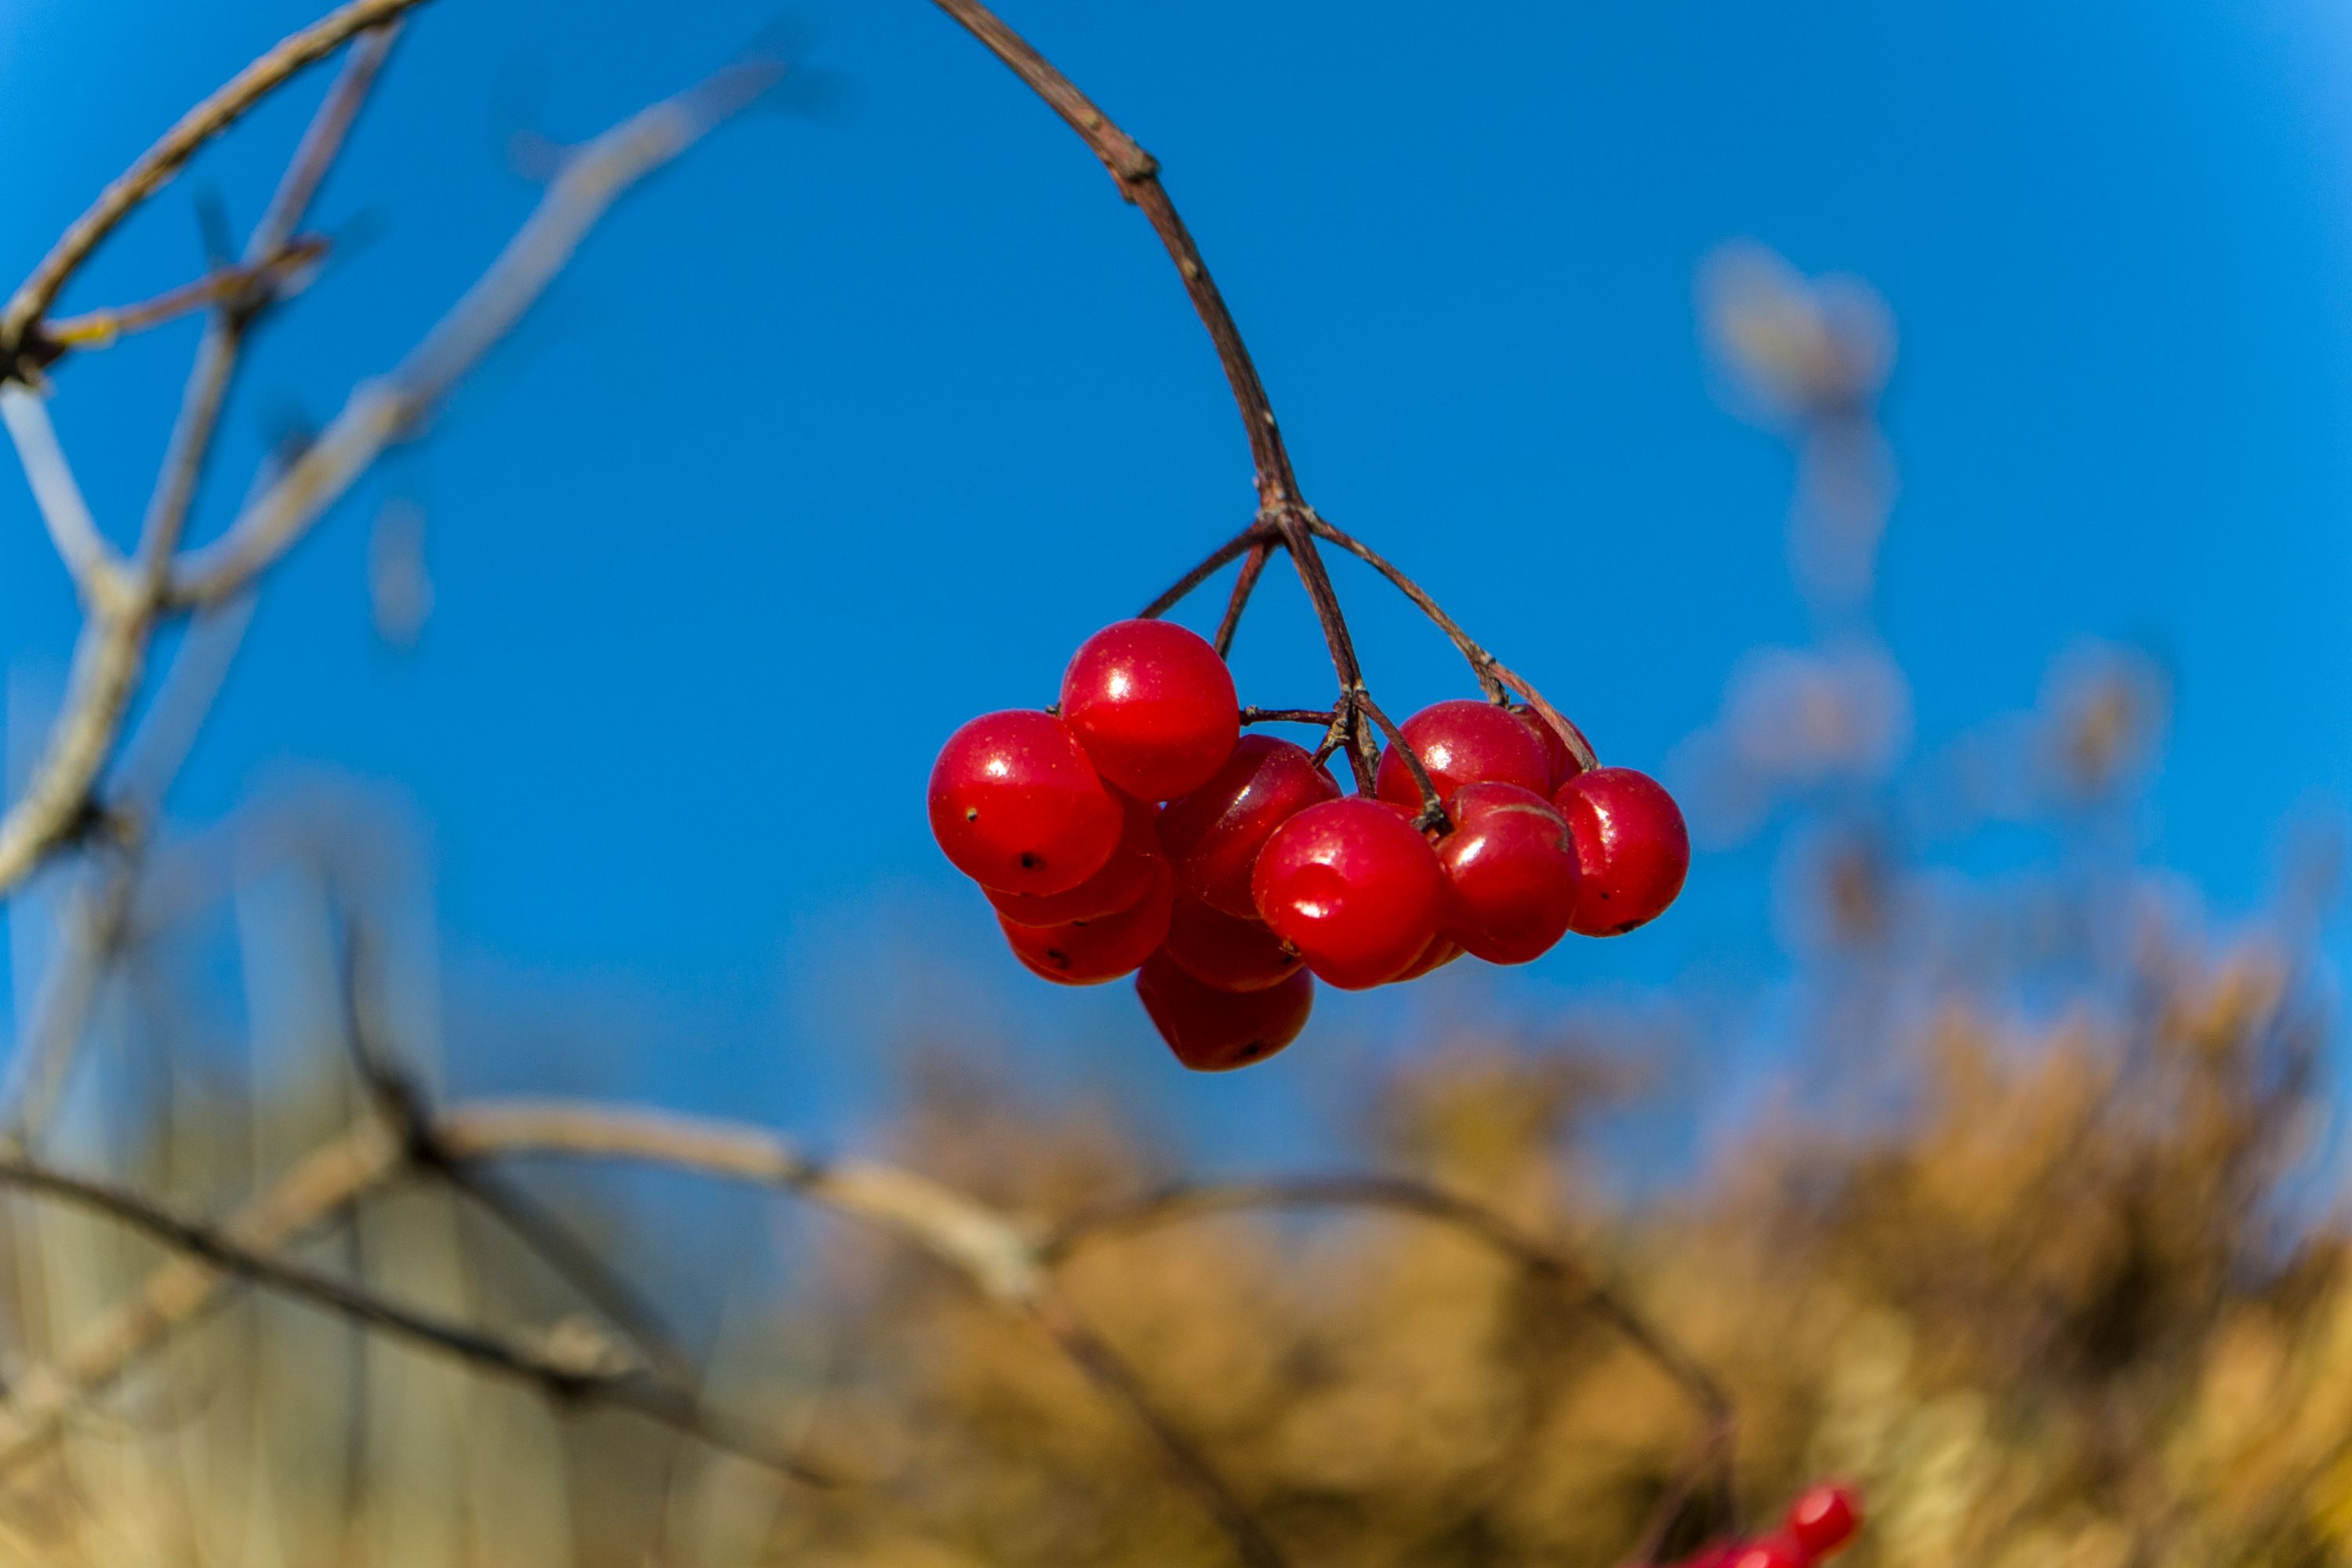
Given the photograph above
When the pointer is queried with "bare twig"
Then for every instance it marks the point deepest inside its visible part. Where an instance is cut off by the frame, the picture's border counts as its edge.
(19, 322)
(570, 1372)
(90, 560)
(1248, 537)
(382, 411)
(1491, 676)
(1245, 584)
(1280, 505)
(101, 329)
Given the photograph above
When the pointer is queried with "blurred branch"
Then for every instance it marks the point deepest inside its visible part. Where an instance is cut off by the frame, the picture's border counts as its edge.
(96, 570)
(569, 1372)
(382, 411)
(19, 322)
(101, 329)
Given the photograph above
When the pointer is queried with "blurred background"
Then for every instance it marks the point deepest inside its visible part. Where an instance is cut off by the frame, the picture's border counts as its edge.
(1919, 438)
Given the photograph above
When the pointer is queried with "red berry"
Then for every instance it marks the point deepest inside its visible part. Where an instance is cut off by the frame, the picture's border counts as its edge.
(1463, 742)
(1018, 807)
(1441, 951)
(1772, 1551)
(1355, 887)
(1514, 872)
(1213, 836)
(1123, 880)
(1564, 765)
(1824, 1518)
(1214, 1031)
(1088, 953)
(1153, 705)
(1220, 949)
(1632, 844)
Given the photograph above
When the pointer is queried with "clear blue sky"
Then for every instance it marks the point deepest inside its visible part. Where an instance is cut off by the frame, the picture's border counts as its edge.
(852, 425)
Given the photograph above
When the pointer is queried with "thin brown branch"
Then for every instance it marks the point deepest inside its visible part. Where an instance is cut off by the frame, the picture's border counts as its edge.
(1245, 584)
(1138, 174)
(1493, 678)
(1321, 716)
(1433, 817)
(392, 409)
(101, 329)
(570, 1372)
(1248, 537)
(1183, 1202)
(19, 322)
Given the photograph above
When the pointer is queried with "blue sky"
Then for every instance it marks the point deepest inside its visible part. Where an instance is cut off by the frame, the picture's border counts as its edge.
(855, 423)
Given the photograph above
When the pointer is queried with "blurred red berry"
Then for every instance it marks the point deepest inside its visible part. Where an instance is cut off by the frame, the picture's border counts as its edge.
(1563, 762)
(1772, 1551)
(1018, 807)
(1153, 705)
(1514, 871)
(1463, 742)
(1118, 886)
(1088, 953)
(1223, 951)
(1825, 1518)
(1355, 887)
(1212, 836)
(1631, 846)
(1214, 1031)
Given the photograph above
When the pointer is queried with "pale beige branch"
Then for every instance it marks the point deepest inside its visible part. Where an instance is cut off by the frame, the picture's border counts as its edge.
(97, 571)
(154, 168)
(390, 409)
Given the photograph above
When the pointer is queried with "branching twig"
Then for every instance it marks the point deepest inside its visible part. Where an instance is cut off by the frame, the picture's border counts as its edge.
(19, 322)
(570, 1373)
(90, 560)
(390, 410)
(101, 329)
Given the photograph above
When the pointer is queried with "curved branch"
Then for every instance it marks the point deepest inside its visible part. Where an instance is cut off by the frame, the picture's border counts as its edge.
(1496, 681)
(19, 322)
(1138, 174)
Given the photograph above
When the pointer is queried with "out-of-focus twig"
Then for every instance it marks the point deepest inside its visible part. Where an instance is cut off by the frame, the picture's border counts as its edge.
(103, 328)
(382, 411)
(154, 168)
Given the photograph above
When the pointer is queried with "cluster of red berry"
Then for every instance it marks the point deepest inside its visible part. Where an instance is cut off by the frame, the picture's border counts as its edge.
(1258, 874)
(1818, 1526)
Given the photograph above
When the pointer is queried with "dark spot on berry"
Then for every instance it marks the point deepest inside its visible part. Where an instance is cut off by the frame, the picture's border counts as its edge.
(1629, 925)
(971, 814)
(1251, 1052)
(1028, 861)
(1057, 958)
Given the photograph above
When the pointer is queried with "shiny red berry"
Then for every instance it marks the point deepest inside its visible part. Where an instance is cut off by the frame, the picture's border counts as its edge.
(1464, 741)
(1223, 951)
(1514, 872)
(1630, 844)
(1088, 953)
(1212, 836)
(1018, 807)
(1772, 1551)
(1119, 885)
(1355, 887)
(1153, 705)
(1441, 951)
(1824, 1518)
(1564, 765)
(1214, 1031)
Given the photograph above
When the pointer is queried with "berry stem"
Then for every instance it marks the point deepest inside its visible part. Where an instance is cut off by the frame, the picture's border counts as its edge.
(1280, 506)
(1255, 534)
(1493, 678)
(1432, 811)
(1244, 581)
(1320, 716)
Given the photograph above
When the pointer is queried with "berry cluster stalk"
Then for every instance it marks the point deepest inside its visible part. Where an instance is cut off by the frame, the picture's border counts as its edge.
(1283, 519)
